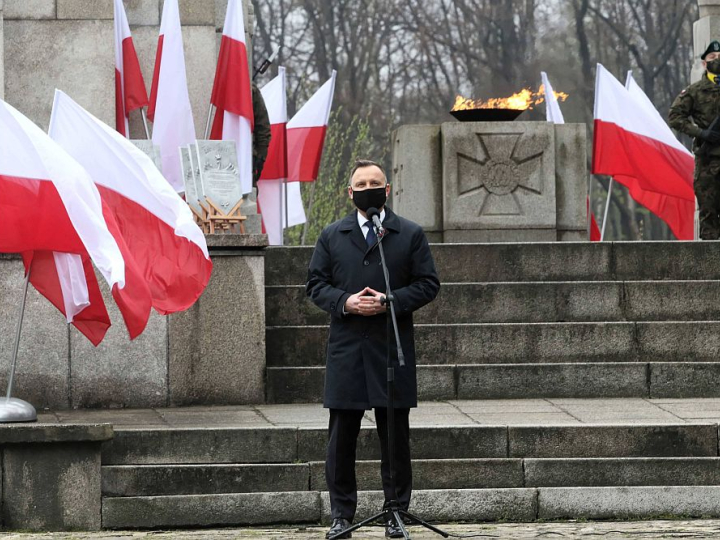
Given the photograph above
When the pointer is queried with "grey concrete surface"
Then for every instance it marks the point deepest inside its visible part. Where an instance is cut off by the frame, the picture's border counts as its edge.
(30, 9)
(417, 175)
(603, 530)
(554, 261)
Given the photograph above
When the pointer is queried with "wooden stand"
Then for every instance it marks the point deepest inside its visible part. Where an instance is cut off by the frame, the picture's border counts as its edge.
(215, 221)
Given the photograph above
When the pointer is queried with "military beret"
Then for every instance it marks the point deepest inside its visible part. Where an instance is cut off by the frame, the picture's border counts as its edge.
(713, 47)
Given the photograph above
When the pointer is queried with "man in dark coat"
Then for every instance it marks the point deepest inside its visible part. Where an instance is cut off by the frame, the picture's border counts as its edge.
(345, 279)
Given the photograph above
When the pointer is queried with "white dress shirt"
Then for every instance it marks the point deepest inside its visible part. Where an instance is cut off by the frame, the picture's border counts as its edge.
(363, 222)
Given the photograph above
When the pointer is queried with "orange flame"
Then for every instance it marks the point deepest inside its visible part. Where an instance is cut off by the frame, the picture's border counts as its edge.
(522, 100)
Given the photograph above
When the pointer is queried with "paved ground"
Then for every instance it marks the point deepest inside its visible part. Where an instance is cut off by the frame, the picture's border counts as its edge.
(603, 530)
(448, 413)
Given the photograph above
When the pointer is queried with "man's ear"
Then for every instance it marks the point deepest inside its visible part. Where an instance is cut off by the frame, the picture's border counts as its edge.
(350, 192)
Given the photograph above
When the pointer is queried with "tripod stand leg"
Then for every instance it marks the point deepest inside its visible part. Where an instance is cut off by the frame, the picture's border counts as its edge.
(400, 523)
(364, 522)
(418, 521)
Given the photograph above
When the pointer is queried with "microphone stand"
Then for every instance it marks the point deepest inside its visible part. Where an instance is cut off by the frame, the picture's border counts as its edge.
(393, 508)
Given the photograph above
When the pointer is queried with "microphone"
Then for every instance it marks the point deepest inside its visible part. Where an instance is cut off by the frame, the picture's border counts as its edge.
(374, 215)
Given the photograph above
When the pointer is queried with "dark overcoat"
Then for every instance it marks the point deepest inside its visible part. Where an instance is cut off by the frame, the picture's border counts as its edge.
(341, 265)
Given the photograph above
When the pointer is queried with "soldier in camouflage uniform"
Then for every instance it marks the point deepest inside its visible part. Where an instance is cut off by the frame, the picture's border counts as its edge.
(691, 113)
(261, 133)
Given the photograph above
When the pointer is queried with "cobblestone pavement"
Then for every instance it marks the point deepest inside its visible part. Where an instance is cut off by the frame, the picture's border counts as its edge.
(506, 531)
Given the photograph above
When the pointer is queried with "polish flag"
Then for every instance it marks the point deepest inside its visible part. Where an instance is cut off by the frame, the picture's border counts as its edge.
(170, 109)
(634, 145)
(554, 114)
(157, 225)
(273, 187)
(232, 93)
(48, 203)
(130, 91)
(306, 134)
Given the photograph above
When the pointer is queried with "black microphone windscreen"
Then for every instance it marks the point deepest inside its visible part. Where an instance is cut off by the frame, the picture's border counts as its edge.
(372, 212)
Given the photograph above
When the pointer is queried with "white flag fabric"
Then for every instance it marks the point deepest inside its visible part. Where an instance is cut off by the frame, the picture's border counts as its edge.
(552, 107)
(306, 134)
(232, 93)
(157, 225)
(633, 144)
(273, 186)
(170, 109)
(45, 185)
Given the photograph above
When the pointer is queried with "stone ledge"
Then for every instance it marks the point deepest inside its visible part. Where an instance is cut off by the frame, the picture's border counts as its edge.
(29, 9)
(236, 241)
(85, 9)
(54, 433)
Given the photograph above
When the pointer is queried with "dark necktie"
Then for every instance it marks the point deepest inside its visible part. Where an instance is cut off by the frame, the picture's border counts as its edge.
(371, 237)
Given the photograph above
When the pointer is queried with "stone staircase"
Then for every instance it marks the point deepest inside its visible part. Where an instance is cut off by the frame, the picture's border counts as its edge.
(517, 460)
(559, 381)
(530, 320)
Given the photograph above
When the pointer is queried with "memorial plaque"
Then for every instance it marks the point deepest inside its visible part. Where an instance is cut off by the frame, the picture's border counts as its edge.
(219, 173)
(191, 196)
(150, 150)
(194, 159)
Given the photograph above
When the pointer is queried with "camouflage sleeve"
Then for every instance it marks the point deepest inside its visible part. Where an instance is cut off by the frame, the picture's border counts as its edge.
(681, 113)
(261, 133)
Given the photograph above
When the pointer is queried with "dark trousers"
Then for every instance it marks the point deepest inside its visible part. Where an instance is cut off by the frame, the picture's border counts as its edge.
(340, 463)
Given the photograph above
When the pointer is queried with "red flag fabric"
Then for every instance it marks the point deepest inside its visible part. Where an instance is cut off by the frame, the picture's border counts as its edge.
(48, 204)
(306, 134)
(232, 93)
(594, 229)
(130, 93)
(170, 109)
(636, 147)
(273, 188)
(167, 246)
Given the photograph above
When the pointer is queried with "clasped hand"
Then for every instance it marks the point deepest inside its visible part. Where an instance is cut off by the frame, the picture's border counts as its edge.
(366, 303)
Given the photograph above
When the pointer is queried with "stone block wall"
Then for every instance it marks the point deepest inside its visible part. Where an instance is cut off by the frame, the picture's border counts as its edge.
(211, 354)
(705, 30)
(492, 181)
(69, 44)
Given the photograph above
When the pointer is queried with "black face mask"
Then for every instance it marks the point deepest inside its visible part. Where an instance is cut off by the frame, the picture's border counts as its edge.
(370, 198)
(713, 66)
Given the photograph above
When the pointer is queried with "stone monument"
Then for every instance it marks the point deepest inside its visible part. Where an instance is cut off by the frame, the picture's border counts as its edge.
(493, 181)
(705, 29)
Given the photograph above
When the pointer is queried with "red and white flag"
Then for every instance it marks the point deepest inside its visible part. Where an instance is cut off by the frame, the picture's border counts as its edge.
(273, 186)
(232, 93)
(634, 145)
(306, 134)
(156, 224)
(170, 110)
(48, 203)
(554, 114)
(130, 93)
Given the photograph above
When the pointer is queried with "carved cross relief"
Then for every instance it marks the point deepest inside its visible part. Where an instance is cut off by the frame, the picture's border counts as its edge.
(502, 167)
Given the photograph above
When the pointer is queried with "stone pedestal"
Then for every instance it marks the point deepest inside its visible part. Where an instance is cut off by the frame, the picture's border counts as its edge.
(213, 354)
(492, 181)
(705, 30)
(51, 476)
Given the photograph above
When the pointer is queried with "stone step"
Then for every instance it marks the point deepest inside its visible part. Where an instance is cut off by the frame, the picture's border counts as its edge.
(520, 381)
(531, 302)
(508, 343)
(216, 445)
(211, 479)
(448, 505)
(558, 261)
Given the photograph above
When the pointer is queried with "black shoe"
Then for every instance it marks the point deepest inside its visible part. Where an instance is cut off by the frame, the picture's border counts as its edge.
(338, 526)
(393, 530)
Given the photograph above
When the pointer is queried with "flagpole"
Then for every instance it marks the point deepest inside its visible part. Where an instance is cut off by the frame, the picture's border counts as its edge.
(287, 211)
(144, 118)
(607, 207)
(207, 126)
(17, 410)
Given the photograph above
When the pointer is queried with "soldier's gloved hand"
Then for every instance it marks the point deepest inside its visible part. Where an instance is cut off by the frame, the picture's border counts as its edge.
(713, 137)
